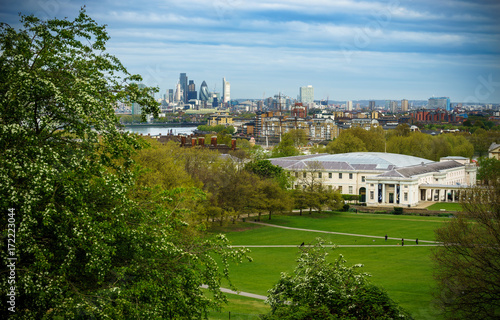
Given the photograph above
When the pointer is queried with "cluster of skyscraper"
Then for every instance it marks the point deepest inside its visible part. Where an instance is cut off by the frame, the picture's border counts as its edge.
(185, 92)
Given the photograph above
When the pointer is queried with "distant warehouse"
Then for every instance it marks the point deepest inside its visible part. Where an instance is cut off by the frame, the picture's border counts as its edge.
(383, 179)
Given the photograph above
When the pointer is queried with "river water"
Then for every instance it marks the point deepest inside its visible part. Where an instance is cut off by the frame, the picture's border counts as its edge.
(154, 131)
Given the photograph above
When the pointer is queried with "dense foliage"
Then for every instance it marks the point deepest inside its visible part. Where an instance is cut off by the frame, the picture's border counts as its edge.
(468, 262)
(217, 128)
(93, 239)
(402, 141)
(319, 289)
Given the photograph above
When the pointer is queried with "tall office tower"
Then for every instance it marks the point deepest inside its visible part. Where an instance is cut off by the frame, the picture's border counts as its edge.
(204, 95)
(348, 105)
(441, 103)
(192, 94)
(404, 105)
(183, 80)
(371, 105)
(226, 91)
(307, 94)
(170, 95)
(178, 93)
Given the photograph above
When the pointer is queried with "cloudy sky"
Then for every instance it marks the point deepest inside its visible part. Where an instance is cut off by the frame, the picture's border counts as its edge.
(345, 49)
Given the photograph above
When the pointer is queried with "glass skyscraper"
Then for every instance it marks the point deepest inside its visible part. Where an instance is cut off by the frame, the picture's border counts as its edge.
(204, 91)
(183, 81)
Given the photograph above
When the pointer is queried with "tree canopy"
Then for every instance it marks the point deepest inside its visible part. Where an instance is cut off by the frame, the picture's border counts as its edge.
(320, 289)
(93, 239)
(467, 265)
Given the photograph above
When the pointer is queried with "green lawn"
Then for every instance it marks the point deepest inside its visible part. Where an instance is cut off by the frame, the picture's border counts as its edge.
(241, 308)
(446, 206)
(405, 272)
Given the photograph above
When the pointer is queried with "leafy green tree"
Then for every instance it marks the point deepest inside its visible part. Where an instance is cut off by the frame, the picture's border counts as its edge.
(299, 137)
(266, 170)
(91, 241)
(467, 264)
(402, 130)
(319, 289)
(286, 148)
(346, 142)
(489, 170)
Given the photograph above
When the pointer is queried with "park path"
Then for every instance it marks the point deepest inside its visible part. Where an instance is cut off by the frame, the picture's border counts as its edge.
(240, 293)
(342, 233)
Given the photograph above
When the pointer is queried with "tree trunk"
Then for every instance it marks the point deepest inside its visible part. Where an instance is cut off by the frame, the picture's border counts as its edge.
(270, 212)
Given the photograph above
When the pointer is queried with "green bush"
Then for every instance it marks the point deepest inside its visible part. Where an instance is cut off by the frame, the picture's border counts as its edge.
(398, 210)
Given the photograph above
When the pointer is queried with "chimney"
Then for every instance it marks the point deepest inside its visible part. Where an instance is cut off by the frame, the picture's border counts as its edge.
(193, 142)
(201, 141)
(214, 141)
(233, 144)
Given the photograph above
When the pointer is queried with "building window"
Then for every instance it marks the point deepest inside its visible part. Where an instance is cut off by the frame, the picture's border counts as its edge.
(350, 175)
(320, 175)
(372, 195)
(303, 175)
(362, 178)
(350, 189)
(329, 175)
(296, 174)
(371, 184)
(340, 189)
(406, 196)
(340, 175)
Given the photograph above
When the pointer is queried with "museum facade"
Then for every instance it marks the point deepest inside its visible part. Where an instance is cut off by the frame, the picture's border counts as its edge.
(383, 179)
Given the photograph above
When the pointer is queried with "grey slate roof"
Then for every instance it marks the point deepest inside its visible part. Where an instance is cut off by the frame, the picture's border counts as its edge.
(493, 146)
(410, 171)
(351, 161)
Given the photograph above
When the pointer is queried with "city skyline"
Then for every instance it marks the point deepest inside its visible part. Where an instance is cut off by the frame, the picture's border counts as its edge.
(347, 50)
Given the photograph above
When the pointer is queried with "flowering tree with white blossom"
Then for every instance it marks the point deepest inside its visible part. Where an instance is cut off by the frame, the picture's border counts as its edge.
(319, 289)
(89, 242)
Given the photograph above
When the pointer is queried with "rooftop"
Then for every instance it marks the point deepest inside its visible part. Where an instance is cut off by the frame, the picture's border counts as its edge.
(351, 161)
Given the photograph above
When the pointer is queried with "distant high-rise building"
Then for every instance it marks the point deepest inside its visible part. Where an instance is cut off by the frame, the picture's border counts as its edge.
(404, 105)
(192, 95)
(204, 94)
(307, 94)
(393, 106)
(348, 105)
(226, 91)
(439, 103)
(170, 95)
(371, 105)
(178, 93)
(183, 80)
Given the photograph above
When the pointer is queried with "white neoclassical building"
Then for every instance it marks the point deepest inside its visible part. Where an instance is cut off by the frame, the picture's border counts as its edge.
(384, 178)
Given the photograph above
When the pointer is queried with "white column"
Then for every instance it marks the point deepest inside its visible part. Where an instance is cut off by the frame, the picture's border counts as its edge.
(383, 193)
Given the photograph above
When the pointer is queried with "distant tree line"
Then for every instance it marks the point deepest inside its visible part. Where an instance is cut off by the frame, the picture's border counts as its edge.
(400, 140)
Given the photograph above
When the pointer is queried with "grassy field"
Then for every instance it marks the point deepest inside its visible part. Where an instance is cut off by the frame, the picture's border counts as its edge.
(405, 272)
(446, 206)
